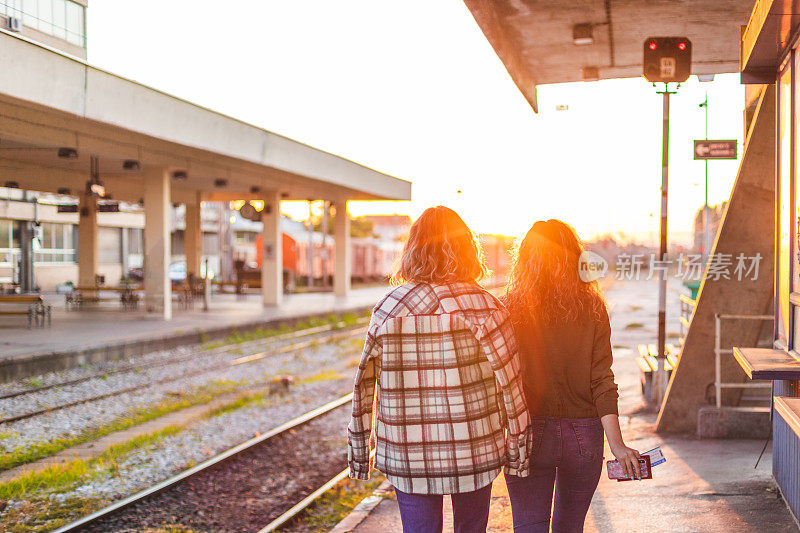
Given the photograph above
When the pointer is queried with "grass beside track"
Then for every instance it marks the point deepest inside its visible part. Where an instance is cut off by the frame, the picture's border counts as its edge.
(334, 505)
(41, 513)
(336, 321)
(41, 450)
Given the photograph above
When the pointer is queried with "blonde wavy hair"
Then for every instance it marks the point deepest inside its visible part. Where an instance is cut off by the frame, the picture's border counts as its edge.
(545, 283)
(440, 249)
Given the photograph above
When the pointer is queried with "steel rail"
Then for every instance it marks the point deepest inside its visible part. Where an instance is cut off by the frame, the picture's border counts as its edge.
(304, 503)
(227, 364)
(286, 426)
(169, 362)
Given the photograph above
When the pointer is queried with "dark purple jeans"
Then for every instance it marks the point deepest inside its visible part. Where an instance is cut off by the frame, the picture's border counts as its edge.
(567, 453)
(422, 513)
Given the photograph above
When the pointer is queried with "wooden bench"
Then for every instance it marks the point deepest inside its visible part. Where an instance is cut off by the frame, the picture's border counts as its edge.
(128, 296)
(247, 279)
(648, 364)
(30, 305)
(188, 290)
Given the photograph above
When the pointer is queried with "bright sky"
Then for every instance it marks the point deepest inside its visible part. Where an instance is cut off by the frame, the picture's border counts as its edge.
(413, 89)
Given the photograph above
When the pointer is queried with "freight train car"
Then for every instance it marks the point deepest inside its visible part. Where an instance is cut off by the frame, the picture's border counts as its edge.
(370, 259)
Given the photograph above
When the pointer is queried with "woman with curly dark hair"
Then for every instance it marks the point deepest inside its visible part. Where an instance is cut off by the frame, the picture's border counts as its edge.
(564, 338)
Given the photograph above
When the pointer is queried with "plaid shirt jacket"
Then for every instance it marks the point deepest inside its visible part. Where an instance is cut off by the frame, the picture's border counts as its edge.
(450, 410)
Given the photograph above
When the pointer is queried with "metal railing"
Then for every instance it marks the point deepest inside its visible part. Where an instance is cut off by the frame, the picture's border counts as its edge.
(687, 310)
(719, 351)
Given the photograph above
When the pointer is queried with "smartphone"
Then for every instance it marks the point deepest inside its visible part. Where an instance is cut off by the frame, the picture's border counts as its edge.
(615, 469)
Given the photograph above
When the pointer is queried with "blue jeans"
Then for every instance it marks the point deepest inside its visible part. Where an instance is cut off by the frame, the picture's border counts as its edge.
(422, 513)
(567, 453)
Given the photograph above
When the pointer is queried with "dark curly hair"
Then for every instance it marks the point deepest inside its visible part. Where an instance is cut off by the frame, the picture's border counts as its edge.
(545, 283)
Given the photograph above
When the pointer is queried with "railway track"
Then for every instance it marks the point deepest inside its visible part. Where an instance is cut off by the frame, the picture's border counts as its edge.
(354, 331)
(248, 458)
(173, 361)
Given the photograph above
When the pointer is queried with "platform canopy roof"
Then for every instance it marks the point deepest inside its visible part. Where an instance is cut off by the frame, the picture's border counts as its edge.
(51, 101)
(535, 39)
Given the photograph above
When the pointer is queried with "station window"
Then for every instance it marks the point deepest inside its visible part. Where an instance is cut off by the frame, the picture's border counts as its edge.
(57, 243)
(135, 241)
(5, 241)
(60, 18)
(245, 237)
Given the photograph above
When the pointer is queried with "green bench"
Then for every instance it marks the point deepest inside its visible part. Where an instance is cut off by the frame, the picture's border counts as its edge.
(647, 360)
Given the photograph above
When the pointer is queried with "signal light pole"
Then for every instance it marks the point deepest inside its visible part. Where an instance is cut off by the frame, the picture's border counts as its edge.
(660, 381)
(664, 60)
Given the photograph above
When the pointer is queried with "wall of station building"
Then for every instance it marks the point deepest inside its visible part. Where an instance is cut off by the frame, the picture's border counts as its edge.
(787, 279)
(120, 240)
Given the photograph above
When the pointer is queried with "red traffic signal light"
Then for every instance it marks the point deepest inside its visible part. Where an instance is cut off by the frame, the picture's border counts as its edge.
(667, 59)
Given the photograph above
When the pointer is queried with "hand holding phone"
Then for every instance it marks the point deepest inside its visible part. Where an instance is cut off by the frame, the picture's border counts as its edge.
(615, 470)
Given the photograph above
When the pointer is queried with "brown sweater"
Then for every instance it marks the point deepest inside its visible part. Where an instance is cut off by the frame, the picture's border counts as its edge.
(566, 369)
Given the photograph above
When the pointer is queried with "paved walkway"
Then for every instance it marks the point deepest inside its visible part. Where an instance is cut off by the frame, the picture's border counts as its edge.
(706, 485)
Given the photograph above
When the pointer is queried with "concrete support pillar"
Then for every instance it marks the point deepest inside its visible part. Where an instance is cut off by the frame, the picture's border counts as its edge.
(341, 235)
(157, 288)
(193, 238)
(272, 251)
(747, 229)
(87, 240)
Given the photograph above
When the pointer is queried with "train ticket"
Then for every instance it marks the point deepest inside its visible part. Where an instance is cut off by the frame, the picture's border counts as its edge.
(656, 456)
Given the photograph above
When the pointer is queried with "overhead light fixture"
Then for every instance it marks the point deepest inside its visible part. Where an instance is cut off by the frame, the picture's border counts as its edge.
(180, 175)
(591, 74)
(11, 185)
(284, 195)
(220, 183)
(65, 191)
(96, 189)
(67, 153)
(705, 77)
(131, 164)
(582, 35)
(255, 189)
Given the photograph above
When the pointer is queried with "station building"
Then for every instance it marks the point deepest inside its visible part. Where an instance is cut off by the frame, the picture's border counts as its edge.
(134, 160)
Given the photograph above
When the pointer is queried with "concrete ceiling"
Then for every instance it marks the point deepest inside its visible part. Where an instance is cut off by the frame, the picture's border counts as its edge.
(534, 38)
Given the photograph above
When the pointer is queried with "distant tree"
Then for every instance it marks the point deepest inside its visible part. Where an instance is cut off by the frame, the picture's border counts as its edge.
(359, 227)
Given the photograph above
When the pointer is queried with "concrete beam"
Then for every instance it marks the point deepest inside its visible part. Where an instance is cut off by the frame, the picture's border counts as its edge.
(747, 228)
(87, 240)
(157, 287)
(272, 250)
(50, 179)
(342, 249)
(87, 100)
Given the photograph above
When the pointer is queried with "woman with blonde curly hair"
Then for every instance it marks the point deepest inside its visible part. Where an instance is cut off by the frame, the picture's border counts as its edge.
(440, 367)
(564, 337)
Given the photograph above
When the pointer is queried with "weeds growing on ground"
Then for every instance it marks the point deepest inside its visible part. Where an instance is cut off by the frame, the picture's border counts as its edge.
(61, 476)
(327, 375)
(40, 450)
(335, 504)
